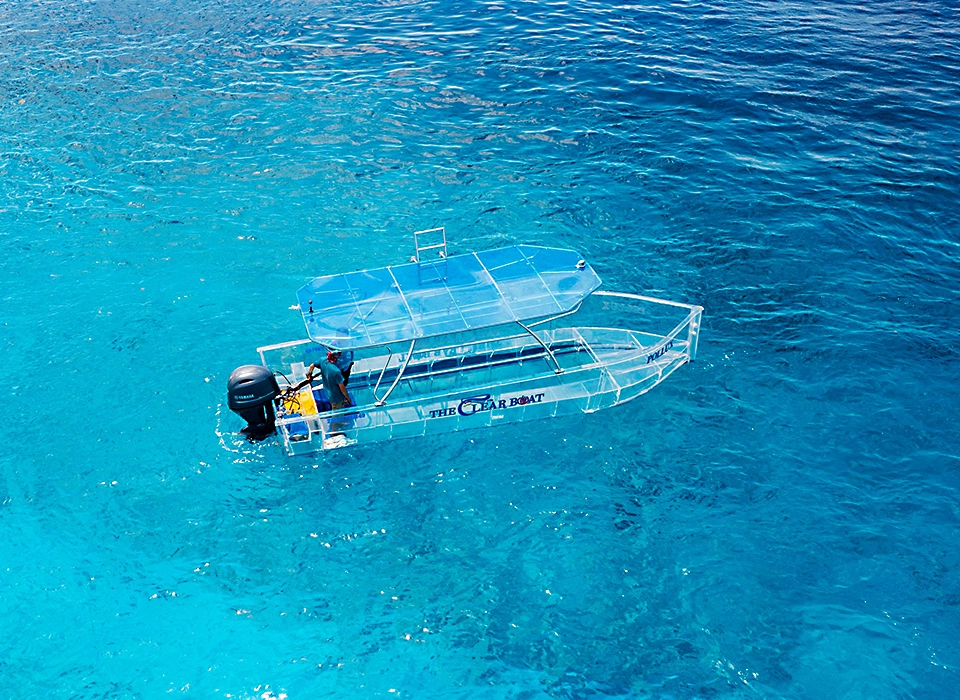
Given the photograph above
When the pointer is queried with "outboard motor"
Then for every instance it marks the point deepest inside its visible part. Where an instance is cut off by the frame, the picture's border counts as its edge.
(251, 390)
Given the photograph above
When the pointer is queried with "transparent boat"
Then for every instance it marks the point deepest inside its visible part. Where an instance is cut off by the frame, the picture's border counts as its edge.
(469, 341)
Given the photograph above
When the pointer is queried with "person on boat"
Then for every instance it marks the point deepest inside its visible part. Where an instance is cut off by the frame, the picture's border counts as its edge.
(334, 383)
(344, 363)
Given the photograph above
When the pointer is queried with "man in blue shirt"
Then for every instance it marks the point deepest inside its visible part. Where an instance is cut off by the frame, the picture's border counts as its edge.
(345, 359)
(334, 383)
(345, 364)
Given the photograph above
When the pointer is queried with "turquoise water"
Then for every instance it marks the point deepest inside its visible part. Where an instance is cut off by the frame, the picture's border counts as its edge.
(777, 520)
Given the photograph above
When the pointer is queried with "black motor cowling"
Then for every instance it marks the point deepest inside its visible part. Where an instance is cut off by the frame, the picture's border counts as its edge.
(251, 390)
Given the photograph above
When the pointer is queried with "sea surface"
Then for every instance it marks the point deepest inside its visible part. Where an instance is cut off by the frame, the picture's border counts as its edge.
(779, 519)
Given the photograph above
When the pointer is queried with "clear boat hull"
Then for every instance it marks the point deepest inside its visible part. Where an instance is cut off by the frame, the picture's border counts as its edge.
(462, 383)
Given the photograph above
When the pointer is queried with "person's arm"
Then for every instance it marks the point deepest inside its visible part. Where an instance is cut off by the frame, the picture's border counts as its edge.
(343, 388)
(310, 373)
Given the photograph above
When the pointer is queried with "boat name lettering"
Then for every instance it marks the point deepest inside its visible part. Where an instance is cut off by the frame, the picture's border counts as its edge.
(659, 353)
(440, 412)
(484, 402)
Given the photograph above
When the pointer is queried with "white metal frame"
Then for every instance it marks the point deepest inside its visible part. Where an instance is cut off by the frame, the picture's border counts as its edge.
(442, 246)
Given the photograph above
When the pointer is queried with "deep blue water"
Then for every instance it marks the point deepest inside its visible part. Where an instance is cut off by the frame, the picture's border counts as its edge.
(777, 520)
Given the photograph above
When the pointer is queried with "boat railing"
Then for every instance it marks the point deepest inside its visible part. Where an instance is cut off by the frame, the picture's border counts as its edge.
(430, 234)
(640, 297)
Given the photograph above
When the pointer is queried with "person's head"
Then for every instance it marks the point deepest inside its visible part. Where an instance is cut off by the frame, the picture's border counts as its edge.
(333, 355)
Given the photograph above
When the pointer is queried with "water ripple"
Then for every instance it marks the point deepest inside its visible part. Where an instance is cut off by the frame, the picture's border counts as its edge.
(778, 517)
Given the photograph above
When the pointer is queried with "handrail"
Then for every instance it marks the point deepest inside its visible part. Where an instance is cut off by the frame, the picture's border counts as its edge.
(383, 371)
(640, 297)
(281, 346)
(406, 361)
(442, 245)
(559, 369)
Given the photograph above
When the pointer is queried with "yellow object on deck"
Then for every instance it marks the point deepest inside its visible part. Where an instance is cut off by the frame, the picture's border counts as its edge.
(303, 403)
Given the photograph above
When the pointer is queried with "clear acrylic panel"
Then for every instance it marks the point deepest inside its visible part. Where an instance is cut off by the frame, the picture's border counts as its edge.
(451, 295)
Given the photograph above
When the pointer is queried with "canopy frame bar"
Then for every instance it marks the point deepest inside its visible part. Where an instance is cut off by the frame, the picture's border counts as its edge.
(406, 361)
(383, 371)
(557, 368)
